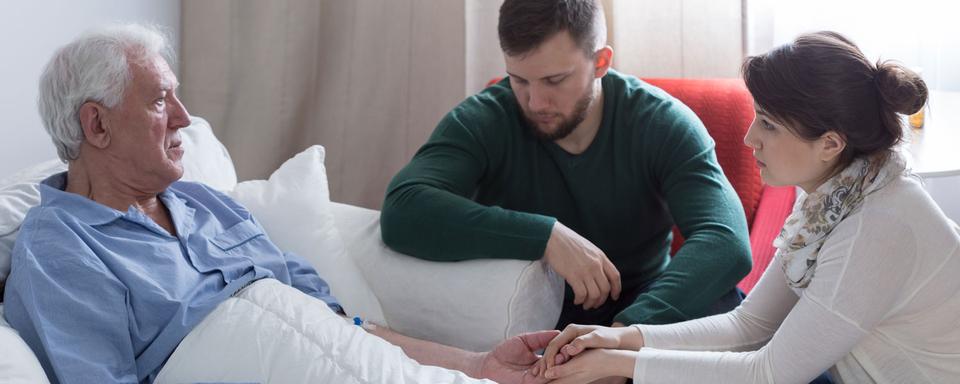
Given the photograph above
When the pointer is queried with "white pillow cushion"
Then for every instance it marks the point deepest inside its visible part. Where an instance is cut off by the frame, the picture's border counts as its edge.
(205, 159)
(18, 364)
(468, 304)
(293, 206)
(18, 193)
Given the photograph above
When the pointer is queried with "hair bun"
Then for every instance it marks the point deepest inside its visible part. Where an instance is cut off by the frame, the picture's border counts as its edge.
(901, 89)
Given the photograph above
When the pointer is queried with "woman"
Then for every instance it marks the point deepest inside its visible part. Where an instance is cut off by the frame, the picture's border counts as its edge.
(864, 282)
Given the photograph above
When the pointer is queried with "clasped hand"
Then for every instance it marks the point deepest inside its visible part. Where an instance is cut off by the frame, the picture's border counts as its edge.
(586, 353)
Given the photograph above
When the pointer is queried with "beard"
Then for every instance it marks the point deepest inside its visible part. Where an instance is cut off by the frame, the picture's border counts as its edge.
(567, 125)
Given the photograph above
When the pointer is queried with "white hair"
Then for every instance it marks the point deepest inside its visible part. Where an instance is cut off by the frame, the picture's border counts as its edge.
(94, 67)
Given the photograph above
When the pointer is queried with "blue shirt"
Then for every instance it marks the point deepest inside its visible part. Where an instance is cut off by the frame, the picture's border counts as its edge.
(103, 296)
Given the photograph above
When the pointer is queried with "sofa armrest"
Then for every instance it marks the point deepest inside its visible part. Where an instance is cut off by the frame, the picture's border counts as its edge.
(775, 205)
(469, 304)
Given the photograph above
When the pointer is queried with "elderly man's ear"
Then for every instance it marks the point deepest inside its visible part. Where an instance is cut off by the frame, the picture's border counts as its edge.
(95, 130)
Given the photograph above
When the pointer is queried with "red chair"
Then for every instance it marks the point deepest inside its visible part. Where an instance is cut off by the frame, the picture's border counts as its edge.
(726, 109)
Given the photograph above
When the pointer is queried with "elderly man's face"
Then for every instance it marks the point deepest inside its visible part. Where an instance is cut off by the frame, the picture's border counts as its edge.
(144, 127)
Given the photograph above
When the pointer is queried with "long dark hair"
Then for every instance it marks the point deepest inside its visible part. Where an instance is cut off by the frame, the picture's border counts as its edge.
(822, 82)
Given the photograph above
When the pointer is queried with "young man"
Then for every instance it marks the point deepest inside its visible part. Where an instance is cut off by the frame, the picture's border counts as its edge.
(588, 169)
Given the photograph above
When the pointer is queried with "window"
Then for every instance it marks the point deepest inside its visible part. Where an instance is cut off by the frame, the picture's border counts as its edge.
(922, 34)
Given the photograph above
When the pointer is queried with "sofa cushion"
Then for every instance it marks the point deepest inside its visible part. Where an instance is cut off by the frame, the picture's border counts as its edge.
(726, 109)
(775, 205)
(468, 304)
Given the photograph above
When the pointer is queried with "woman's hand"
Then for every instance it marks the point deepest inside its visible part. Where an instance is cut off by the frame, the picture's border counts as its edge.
(576, 338)
(593, 365)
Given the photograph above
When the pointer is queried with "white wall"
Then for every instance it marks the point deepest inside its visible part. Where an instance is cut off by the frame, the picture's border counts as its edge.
(943, 190)
(484, 59)
(30, 31)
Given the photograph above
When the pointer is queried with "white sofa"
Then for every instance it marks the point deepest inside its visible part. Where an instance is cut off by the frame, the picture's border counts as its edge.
(471, 304)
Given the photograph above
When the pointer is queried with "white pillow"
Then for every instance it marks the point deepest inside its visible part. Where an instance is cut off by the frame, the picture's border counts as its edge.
(471, 304)
(205, 159)
(294, 208)
(19, 364)
(18, 193)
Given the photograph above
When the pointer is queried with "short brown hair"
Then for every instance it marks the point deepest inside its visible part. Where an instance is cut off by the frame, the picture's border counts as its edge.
(822, 82)
(525, 24)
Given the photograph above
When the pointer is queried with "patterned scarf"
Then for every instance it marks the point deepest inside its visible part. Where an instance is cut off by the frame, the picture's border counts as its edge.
(815, 215)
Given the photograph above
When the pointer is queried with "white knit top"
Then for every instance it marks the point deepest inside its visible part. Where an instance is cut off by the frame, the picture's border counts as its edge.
(883, 306)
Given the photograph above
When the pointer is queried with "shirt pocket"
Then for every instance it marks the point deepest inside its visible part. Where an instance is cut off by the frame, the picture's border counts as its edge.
(237, 235)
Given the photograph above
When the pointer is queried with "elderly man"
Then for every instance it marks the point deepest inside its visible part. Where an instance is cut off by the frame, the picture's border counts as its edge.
(120, 262)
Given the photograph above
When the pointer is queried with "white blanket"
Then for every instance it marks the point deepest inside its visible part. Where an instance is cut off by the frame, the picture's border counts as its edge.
(272, 333)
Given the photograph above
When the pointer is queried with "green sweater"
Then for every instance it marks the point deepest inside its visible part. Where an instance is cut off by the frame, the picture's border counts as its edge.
(484, 187)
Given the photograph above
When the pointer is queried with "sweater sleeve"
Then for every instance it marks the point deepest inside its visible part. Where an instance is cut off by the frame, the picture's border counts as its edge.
(428, 211)
(860, 277)
(704, 206)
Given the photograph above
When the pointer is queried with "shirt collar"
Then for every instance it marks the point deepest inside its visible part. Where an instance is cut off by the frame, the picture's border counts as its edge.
(53, 194)
(180, 212)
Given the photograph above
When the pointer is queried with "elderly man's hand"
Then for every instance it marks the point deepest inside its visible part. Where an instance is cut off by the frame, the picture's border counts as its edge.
(585, 267)
(511, 360)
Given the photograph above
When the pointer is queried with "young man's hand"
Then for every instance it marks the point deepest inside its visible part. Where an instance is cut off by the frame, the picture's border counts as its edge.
(584, 266)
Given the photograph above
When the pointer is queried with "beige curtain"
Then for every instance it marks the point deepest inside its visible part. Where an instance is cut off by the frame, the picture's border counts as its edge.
(677, 38)
(369, 79)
